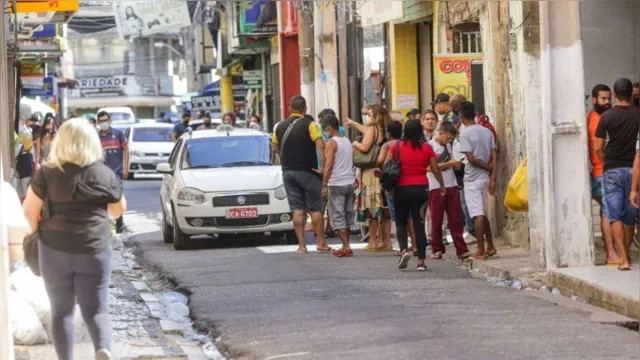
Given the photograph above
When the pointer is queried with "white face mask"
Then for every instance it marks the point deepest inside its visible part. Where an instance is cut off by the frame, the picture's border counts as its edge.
(365, 119)
(104, 126)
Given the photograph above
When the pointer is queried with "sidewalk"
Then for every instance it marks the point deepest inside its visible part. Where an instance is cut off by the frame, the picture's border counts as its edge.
(602, 286)
(138, 331)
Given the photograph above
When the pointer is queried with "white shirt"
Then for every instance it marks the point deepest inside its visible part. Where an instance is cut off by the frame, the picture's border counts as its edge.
(448, 175)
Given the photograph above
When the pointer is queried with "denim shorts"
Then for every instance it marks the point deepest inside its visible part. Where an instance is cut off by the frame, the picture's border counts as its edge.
(616, 184)
(596, 187)
(304, 190)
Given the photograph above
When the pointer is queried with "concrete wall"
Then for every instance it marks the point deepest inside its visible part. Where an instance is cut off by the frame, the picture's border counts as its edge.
(425, 63)
(326, 60)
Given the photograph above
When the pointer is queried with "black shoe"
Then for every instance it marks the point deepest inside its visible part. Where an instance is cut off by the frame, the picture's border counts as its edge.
(119, 229)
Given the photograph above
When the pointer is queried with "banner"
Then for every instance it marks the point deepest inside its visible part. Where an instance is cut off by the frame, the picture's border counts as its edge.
(259, 17)
(144, 18)
(206, 103)
(117, 85)
(38, 86)
(452, 74)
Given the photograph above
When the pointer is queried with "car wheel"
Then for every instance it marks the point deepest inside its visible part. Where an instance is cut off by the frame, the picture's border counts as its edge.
(180, 240)
(290, 238)
(167, 230)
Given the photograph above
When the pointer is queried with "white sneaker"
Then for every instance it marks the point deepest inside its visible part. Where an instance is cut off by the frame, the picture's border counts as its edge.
(103, 354)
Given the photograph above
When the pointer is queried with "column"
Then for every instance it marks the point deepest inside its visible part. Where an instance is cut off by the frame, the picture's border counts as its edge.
(226, 91)
(326, 57)
(561, 177)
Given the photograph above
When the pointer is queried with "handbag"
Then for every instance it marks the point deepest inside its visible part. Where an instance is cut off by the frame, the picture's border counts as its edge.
(391, 172)
(31, 241)
(368, 160)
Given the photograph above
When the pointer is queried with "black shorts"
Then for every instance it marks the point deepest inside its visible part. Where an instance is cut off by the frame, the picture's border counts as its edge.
(304, 190)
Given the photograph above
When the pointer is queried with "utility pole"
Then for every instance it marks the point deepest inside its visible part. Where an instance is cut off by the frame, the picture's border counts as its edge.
(307, 53)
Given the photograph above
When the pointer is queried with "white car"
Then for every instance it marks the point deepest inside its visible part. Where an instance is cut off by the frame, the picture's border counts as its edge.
(120, 114)
(222, 182)
(149, 145)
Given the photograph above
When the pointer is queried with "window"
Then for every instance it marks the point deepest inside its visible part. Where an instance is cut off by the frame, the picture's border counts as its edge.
(152, 134)
(227, 151)
(174, 153)
(466, 39)
(120, 117)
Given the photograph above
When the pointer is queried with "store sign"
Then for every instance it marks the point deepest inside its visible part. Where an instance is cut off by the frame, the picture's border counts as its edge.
(252, 79)
(259, 17)
(452, 74)
(31, 69)
(376, 12)
(289, 16)
(120, 85)
(206, 103)
(39, 45)
(144, 18)
(33, 31)
(38, 86)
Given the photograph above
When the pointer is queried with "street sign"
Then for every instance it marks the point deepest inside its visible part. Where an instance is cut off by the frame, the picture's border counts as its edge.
(38, 86)
(252, 79)
(205, 103)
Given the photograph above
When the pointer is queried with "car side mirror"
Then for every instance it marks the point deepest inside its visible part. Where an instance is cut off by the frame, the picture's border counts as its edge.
(164, 168)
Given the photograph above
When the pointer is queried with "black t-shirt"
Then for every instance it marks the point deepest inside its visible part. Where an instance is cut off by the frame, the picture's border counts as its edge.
(78, 198)
(619, 125)
(299, 151)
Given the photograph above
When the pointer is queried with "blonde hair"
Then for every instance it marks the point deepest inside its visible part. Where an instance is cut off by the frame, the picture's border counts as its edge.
(396, 116)
(379, 117)
(77, 143)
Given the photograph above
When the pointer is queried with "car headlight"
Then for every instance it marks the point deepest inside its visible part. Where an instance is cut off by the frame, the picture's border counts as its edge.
(191, 194)
(137, 153)
(280, 193)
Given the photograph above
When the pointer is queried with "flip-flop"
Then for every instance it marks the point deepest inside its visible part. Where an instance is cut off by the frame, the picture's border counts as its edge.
(301, 252)
(437, 255)
(620, 268)
(324, 250)
(612, 263)
(474, 257)
(487, 255)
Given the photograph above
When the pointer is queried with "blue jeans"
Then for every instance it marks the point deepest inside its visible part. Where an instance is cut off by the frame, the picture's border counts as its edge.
(468, 221)
(615, 202)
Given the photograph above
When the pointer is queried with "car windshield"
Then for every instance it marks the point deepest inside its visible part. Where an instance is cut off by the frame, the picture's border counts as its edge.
(159, 134)
(227, 151)
(120, 117)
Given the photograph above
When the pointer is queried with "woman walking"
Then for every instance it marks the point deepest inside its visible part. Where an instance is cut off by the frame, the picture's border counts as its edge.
(44, 140)
(81, 194)
(371, 204)
(412, 187)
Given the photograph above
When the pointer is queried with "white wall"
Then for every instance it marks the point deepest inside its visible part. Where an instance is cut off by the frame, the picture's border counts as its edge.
(611, 41)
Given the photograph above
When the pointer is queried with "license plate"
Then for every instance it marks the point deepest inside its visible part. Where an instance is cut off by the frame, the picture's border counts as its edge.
(244, 213)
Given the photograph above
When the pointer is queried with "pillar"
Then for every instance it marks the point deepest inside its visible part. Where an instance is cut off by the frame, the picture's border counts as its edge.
(327, 88)
(226, 92)
(559, 191)
(403, 49)
(307, 60)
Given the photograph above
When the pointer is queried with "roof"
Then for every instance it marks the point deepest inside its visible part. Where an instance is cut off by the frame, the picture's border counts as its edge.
(203, 134)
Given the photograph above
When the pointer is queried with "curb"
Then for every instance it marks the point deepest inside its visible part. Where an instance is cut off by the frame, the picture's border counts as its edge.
(595, 295)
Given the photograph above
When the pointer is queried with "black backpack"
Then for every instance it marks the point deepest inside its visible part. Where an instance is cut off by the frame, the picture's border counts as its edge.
(391, 171)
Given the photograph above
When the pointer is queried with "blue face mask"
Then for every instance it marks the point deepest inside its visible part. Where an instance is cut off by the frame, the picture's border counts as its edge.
(326, 133)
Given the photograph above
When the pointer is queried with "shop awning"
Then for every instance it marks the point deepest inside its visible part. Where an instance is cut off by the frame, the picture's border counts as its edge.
(111, 101)
(41, 12)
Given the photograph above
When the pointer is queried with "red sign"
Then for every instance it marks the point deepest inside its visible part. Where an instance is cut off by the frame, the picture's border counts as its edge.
(243, 213)
(289, 16)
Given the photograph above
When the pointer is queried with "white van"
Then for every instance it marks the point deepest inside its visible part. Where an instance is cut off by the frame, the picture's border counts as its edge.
(120, 115)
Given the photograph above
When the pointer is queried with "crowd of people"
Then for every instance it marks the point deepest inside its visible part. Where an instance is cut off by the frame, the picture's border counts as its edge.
(411, 171)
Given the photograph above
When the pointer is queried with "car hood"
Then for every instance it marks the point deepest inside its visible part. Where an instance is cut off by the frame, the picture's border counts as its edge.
(246, 178)
(152, 147)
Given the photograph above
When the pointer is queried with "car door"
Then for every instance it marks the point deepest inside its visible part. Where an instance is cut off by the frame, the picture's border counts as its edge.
(167, 179)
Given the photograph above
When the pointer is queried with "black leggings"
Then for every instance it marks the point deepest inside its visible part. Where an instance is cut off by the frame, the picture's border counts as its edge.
(409, 200)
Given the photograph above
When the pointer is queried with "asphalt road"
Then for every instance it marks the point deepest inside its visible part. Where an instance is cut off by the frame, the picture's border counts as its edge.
(269, 303)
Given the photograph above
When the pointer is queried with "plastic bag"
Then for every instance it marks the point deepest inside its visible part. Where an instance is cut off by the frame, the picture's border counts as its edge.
(172, 297)
(31, 288)
(178, 312)
(517, 197)
(27, 328)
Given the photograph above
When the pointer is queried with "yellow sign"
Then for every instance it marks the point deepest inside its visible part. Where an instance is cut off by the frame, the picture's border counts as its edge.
(452, 74)
(30, 6)
(31, 69)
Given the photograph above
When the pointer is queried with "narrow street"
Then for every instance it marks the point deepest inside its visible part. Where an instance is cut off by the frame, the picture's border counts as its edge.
(266, 302)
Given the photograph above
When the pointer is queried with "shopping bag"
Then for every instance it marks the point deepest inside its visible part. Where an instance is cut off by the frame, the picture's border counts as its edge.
(517, 197)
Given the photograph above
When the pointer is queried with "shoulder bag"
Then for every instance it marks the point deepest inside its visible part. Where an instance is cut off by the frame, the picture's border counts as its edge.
(287, 132)
(368, 160)
(31, 241)
(391, 171)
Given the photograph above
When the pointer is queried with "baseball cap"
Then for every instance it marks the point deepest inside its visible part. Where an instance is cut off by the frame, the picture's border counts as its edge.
(413, 111)
(441, 98)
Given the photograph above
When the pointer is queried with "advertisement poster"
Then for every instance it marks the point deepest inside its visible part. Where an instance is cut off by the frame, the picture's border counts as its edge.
(452, 74)
(38, 86)
(206, 103)
(259, 17)
(144, 18)
(117, 85)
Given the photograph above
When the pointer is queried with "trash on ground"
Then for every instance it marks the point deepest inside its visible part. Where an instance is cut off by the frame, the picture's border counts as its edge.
(211, 352)
(493, 280)
(32, 290)
(517, 284)
(27, 328)
(172, 297)
(555, 291)
(178, 312)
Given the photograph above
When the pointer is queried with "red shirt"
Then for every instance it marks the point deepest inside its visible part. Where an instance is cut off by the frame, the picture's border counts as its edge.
(413, 163)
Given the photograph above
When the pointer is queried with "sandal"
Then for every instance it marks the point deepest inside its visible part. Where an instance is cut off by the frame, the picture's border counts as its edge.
(301, 251)
(490, 254)
(620, 268)
(477, 257)
(328, 249)
(437, 255)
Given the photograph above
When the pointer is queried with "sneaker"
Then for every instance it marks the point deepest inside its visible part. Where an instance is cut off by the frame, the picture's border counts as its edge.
(103, 354)
(422, 267)
(404, 260)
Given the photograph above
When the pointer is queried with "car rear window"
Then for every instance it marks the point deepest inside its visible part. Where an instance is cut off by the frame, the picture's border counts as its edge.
(152, 134)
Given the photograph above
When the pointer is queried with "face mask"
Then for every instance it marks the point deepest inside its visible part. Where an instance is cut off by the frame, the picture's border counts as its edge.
(601, 108)
(365, 119)
(185, 122)
(326, 133)
(50, 132)
(104, 126)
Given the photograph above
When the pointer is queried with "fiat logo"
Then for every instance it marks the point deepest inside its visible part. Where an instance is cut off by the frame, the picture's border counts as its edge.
(241, 200)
